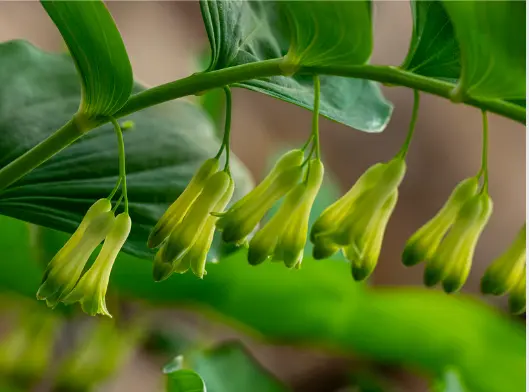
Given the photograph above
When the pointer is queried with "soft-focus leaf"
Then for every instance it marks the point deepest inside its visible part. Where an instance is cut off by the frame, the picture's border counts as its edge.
(167, 144)
(185, 380)
(229, 368)
(434, 51)
(242, 32)
(320, 305)
(98, 52)
(450, 382)
(491, 35)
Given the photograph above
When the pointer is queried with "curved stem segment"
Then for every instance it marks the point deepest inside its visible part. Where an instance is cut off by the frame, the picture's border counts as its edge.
(414, 114)
(122, 171)
(485, 153)
(227, 128)
(316, 116)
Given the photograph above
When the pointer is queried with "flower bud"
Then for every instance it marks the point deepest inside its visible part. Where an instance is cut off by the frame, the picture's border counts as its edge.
(162, 267)
(365, 208)
(332, 215)
(364, 255)
(66, 267)
(294, 237)
(263, 244)
(187, 231)
(237, 223)
(176, 212)
(92, 288)
(503, 274)
(324, 248)
(453, 258)
(517, 295)
(422, 245)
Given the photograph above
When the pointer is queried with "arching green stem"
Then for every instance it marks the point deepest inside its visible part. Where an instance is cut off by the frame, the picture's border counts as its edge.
(414, 114)
(485, 153)
(122, 171)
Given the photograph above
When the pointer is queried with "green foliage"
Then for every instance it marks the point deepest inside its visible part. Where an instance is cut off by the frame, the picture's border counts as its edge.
(434, 51)
(98, 53)
(244, 32)
(163, 150)
(491, 35)
(229, 368)
(185, 380)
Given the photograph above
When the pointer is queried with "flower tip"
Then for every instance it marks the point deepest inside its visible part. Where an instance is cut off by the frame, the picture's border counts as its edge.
(161, 271)
(361, 272)
(452, 284)
(322, 251)
(431, 276)
(516, 305)
(489, 286)
(410, 256)
(256, 256)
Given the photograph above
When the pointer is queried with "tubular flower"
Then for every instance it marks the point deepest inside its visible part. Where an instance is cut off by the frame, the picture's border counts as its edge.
(503, 274)
(452, 261)
(357, 221)
(422, 245)
(196, 257)
(92, 288)
(364, 257)
(242, 218)
(189, 229)
(517, 296)
(285, 234)
(176, 212)
(66, 267)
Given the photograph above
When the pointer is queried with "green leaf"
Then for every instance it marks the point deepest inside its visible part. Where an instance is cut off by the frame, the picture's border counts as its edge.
(450, 382)
(242, 32)
(230, 368)
(434, 51)
(98, 51)
(185, 380)
(491, 35)
(167, 144)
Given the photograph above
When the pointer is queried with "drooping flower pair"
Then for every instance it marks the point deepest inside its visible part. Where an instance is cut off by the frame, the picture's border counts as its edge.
(284, 235)
(447, 242)
(186, 230)
(62, 281)
(356, 222)
(506, 274)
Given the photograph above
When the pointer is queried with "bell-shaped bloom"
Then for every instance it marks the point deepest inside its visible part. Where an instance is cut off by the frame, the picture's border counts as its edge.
(185, 234)
(176, 212)
(294, 236)
(92, 287)
(243, 217)
(196, 257)
(503, 274)
(333, 215)
(422, 245)
(66, 267)
(364, 255)
(452, 261)
(365, 209)
(517, 295)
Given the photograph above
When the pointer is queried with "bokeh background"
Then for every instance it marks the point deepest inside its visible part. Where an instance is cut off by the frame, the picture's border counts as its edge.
(165, 41)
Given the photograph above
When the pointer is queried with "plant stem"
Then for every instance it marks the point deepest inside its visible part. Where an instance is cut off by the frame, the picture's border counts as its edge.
(122, 171)
(485, 154)
(411, 130)
(380, 73)
(62, 138)
(316, 116)
(227, 128)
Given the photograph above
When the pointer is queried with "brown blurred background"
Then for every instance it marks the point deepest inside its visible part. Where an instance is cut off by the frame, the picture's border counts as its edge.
(164, 40)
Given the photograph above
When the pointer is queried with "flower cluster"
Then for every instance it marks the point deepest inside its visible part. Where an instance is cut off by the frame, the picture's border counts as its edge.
(283, 237)
(447, 242)
(62, 280)
(506, 275)
(185, 231)
(357, 221)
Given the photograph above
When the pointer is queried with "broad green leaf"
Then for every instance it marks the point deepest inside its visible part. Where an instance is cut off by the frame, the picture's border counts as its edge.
(242, 32)
(491, 35)
(167, 144)
(185, 380)
(230, 368)
(320, 305)
(434, 51)
(98, 53)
